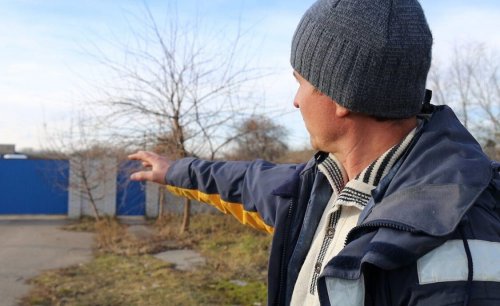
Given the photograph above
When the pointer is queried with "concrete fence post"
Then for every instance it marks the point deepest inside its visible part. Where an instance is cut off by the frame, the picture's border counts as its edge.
(101, 177)
(152, 198)
(74, 196)
(109, 175)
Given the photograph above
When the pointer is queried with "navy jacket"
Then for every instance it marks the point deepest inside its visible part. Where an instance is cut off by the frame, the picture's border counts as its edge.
(430, 235)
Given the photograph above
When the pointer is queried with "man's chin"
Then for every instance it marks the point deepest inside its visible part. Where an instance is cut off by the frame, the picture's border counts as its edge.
(314, 145)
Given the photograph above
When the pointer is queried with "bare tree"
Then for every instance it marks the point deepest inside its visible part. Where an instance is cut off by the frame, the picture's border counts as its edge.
(178, 87)
(471, 83)
(91, 159)
(259, 137)
(90, 173)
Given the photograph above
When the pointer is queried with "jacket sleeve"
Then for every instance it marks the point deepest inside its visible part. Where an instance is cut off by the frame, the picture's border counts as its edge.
(242, 189)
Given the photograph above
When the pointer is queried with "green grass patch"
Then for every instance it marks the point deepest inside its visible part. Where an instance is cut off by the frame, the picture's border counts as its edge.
(123, 271)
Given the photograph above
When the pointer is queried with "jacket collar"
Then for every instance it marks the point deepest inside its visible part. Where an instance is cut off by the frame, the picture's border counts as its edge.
(442, 175)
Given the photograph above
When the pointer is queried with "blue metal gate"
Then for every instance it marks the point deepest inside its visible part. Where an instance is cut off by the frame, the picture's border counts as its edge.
(130, 195)
(33, 186)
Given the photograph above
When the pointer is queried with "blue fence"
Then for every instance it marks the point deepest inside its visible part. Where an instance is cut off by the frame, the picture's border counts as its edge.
(130, 195)
(29, 187)
(33, 186)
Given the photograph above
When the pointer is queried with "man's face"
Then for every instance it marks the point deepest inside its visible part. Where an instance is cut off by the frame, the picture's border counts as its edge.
(320, 114)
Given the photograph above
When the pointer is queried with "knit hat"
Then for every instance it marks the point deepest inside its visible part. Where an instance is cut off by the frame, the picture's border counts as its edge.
(370, 56)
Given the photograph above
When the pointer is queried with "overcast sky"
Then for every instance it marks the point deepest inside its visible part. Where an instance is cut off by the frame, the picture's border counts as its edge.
(44, 72)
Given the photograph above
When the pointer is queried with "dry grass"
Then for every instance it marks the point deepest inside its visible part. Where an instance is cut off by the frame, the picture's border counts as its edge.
(110, 280)
(123, 272)
(85, 224)
(113, 238)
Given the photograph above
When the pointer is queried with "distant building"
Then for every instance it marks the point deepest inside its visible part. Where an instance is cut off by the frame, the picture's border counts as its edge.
(7, 149)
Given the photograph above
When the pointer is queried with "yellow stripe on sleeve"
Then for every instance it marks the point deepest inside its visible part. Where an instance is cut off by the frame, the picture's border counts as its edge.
(252, 219)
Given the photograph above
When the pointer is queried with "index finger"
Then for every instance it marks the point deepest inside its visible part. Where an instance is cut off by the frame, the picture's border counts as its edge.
(142, 156)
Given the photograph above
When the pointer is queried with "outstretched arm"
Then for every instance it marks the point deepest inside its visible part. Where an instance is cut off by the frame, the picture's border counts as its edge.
(242, 189)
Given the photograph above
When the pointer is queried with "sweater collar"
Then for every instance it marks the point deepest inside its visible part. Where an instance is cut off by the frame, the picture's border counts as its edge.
(357, 192)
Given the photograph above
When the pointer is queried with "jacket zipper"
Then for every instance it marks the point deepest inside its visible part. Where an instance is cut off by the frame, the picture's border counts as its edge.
(284, 267)
(372, 225)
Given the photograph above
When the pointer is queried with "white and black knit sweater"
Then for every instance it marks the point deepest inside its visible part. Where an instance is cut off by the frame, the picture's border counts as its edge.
(341, 215)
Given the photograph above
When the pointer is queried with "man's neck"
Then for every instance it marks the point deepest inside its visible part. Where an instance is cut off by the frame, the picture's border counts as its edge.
(367, 139)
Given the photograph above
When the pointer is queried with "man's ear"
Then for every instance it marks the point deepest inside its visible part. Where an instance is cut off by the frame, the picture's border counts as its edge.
(341, 111)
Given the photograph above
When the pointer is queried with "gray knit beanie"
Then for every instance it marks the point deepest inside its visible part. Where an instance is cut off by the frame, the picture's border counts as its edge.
(370, 56)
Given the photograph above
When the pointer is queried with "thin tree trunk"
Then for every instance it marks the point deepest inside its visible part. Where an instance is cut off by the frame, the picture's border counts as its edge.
(187, 216)
(88, 191)
(161, 199)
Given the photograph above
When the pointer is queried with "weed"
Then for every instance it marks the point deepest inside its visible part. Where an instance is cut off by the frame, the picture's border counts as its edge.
(85, 224)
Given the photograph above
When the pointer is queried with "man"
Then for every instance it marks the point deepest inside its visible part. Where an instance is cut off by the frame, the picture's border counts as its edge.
(399, 207)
